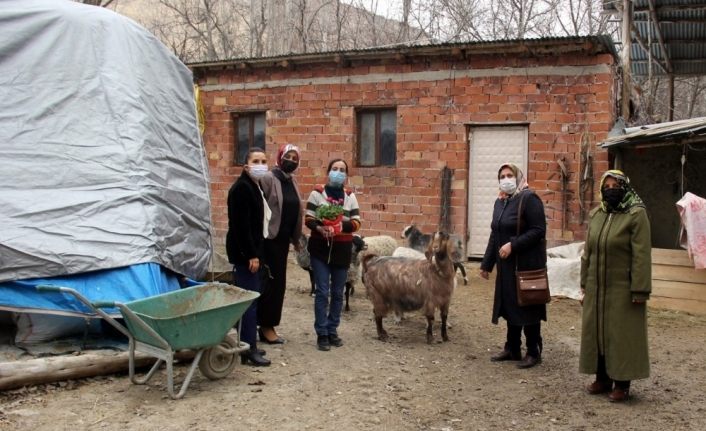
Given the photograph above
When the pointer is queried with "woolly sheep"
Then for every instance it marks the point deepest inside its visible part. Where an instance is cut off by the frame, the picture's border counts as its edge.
(380, 245)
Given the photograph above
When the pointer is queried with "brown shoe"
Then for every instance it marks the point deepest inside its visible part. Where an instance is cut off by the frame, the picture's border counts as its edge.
(529, 361)
(618, 395)
(599, 387)
(505, 355)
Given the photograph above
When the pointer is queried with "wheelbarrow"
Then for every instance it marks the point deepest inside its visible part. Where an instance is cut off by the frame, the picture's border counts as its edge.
(195, 318)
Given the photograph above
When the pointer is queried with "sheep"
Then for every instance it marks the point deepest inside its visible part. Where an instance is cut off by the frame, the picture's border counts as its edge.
(380, 245)
(304, 261)
(404, 284)
(419, 241)
(408, 252)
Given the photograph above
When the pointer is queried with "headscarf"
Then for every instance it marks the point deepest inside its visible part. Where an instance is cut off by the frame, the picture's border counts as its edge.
(284, 149)
(519, 178)
(630, 199)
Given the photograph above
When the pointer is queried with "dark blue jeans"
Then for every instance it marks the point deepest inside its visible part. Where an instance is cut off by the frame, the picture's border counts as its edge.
(243, 278)
(330, 282)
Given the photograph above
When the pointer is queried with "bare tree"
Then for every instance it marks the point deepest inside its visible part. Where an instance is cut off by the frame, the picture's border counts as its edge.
(578, 17)
(208, 29)
(258, 25)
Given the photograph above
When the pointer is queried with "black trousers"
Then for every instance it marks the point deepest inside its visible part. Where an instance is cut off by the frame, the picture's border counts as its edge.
(602, 375)
(533, 339)
(269, 305)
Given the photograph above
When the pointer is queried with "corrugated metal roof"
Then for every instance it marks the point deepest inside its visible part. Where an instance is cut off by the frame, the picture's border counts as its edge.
(682, 24)
(692, 130)
(600, 43)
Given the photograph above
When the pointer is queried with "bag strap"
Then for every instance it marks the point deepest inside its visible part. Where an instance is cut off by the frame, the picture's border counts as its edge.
(519, 218)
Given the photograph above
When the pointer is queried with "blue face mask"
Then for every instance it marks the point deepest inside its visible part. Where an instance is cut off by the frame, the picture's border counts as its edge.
(336, 178)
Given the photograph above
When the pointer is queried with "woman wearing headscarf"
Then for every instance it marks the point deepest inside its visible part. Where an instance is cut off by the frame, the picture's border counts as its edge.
(285, 227)
(509, 251)
(616, 280)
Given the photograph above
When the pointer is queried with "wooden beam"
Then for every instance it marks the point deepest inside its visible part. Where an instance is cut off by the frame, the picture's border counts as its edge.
(58, 368)
(627, 42)
(643, 44)
(670, 95)
(685, 305)
(671, 8)
(663, 48)
(666, 256)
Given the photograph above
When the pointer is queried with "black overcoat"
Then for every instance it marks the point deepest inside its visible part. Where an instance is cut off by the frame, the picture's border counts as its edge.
(528, 250)
(245, 239)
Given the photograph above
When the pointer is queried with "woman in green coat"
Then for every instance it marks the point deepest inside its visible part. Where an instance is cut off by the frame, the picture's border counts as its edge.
(616, 282)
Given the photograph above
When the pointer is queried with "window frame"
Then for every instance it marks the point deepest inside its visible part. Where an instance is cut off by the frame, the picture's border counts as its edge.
(251, 115)
(377, 111)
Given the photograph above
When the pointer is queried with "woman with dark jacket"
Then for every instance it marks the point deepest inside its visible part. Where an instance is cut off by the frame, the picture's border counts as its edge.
(285, 227)
(248, 215)
(616, 279)
(509, 250)
(331, 248)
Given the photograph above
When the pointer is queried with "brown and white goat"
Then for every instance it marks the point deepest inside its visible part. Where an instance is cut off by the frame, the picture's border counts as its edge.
(401, 284)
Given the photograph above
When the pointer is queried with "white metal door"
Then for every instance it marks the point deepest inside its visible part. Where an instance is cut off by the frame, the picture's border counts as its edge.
(489, 147)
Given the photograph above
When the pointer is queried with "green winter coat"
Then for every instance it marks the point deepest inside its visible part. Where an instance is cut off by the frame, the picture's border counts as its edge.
(616, 267)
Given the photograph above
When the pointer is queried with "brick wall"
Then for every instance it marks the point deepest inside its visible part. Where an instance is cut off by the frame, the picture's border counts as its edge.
(562, 99)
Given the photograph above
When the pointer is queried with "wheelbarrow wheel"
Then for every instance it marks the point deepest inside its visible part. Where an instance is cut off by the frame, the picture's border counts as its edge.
(215, 364)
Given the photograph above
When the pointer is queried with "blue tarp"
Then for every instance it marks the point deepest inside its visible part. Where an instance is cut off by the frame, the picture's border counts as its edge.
(121, 285)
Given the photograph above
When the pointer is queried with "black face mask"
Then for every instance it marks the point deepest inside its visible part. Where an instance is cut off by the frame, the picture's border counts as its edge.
(288, 166)
(613, 197)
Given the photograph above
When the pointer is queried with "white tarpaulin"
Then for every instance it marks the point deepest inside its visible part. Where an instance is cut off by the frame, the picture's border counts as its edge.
(102, 161)
(564, 270)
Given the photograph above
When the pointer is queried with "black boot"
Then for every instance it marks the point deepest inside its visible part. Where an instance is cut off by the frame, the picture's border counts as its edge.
(253, 356)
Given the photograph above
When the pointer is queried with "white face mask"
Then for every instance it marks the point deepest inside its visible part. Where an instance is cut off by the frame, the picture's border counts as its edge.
(508, 185)
(257, 171)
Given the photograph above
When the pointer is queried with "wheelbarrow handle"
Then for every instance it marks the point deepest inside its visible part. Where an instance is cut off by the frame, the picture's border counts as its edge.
(104, 304)
(48, 288)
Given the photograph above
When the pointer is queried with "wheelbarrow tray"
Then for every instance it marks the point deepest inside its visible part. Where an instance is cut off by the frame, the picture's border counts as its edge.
(191, 318)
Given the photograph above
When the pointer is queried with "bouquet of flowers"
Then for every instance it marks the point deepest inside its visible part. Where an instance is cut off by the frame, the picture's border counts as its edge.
(331, 213)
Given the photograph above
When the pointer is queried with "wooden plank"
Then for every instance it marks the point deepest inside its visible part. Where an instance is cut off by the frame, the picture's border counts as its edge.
(679, 290)
(666, 256)
(678, 273)
(686, 305)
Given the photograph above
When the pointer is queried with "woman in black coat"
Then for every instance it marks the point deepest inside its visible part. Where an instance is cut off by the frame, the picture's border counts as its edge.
(247, 214)
(507, 249)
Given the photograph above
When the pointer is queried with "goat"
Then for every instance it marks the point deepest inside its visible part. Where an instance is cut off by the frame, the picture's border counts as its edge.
(420, 241)
(402, 284)
(304, 261)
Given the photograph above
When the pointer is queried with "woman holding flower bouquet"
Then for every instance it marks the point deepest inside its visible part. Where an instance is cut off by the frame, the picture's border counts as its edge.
(333, 215)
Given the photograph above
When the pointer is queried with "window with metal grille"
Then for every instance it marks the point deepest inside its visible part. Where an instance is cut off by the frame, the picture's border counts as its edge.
(249, 132)
(377, 137)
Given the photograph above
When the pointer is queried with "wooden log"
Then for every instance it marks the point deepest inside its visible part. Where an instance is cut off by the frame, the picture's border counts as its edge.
(57, 368)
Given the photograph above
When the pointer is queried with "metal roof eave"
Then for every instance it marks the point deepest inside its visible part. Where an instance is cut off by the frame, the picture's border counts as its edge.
(680, 132)
(546, 46)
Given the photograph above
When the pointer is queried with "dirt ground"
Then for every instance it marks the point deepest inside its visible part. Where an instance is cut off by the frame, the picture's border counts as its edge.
(404, 384)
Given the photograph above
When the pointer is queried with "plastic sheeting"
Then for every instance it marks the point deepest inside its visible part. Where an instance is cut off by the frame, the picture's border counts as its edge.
(119, 285)
(564, 270)
(102, 161)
